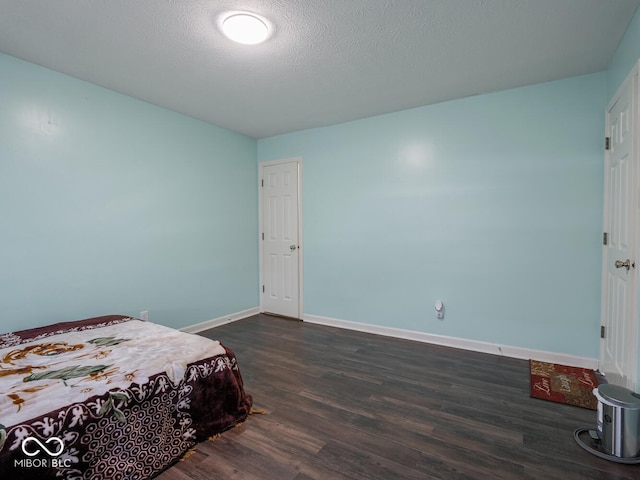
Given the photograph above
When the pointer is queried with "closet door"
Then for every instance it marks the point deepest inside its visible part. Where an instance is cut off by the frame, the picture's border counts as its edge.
(280, 242)
(618, 352)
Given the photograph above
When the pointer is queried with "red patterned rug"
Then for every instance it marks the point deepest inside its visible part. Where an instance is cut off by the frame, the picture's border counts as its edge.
(563, 384)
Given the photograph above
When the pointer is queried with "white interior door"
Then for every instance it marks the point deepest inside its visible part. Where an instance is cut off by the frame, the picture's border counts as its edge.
(281, 242)
(618, 356)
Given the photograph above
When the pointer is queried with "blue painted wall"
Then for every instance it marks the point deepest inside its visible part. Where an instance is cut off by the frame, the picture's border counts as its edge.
(625, 57)
(491, 203)
(112, 205)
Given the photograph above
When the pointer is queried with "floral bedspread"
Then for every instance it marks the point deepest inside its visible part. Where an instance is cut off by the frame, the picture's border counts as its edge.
(111, 397)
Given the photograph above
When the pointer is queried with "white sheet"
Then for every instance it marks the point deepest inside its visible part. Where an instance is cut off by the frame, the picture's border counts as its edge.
(92, 362)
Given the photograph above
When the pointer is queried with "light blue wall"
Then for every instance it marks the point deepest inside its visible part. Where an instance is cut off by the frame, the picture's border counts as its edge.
(112, 205)
(625, 57)
(491, 203)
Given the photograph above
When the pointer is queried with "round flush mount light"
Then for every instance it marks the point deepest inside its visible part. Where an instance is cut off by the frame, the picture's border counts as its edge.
(245, 28)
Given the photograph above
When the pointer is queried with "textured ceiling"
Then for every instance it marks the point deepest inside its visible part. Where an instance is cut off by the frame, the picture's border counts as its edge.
(328, 61)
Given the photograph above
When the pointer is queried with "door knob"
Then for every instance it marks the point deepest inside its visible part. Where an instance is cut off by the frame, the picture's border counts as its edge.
(626, 264)
(292, 247)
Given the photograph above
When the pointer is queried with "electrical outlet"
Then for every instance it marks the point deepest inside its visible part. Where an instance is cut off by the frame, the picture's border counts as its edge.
(144, 315)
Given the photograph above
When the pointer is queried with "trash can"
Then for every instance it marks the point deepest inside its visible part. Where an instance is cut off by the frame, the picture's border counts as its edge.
(618, 420)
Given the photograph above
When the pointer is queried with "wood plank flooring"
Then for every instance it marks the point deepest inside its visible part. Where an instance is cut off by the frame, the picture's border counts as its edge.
(350, 405)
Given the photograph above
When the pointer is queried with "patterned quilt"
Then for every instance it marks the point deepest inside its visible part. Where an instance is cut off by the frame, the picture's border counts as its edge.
(111, 397)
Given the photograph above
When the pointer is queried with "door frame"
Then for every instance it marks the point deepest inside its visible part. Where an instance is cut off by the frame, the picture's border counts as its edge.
(262, 165)
(632, 335)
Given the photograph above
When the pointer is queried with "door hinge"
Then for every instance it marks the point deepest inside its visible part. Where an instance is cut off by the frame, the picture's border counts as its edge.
(262, 288)
(262, 181)
(605, 238)
(263, 236)
(607, 143)
(602, 330)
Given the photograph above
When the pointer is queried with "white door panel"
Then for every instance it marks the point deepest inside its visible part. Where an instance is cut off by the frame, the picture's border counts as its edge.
(280, 246)
(617, 355)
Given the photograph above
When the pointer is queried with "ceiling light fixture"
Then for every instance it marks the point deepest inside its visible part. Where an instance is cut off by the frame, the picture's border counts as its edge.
(245, 28)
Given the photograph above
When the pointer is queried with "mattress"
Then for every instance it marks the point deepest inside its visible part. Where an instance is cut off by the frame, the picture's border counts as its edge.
(111, 397)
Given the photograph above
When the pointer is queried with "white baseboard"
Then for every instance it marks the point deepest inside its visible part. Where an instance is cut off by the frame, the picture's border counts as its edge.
(465, 344)
(216, 322)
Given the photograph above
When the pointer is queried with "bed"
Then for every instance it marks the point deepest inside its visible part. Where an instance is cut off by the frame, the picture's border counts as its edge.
(111, 397)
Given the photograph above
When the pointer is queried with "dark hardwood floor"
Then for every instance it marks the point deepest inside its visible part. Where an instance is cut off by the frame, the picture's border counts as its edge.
(343, 405)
